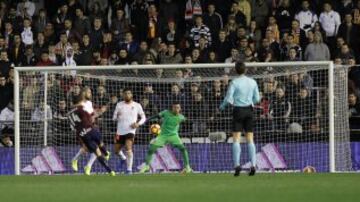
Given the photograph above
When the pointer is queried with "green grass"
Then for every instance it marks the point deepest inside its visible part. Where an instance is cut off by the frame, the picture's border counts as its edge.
(173, 188)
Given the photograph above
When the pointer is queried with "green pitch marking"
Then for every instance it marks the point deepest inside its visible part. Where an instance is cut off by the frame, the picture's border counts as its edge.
(176, 187)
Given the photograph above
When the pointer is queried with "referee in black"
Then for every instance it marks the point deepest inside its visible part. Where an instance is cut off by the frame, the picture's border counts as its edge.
(243, 94)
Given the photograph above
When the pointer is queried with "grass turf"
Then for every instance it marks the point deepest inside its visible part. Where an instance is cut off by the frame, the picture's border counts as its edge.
(173, 188)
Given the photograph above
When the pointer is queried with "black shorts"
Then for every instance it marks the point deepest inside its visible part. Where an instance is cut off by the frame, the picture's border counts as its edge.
(92, 140)
(121, 139)
(243, 119)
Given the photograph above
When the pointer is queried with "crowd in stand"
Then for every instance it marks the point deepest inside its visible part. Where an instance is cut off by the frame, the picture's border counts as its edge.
(126, 32)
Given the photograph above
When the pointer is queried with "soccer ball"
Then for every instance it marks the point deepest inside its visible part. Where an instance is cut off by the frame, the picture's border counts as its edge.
(155, 129)
(309, 169)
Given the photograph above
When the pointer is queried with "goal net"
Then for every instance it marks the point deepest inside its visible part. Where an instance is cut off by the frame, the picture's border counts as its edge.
(301, 120)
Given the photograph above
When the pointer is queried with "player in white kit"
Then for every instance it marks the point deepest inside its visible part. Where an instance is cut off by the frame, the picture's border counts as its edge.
(127, 115)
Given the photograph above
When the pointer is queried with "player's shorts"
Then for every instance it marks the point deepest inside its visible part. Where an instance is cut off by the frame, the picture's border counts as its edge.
(162, 140)
(121, 139)
(92, 140)
(243, 119)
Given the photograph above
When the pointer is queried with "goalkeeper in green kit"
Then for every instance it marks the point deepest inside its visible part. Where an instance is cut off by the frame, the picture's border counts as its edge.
(169, 134)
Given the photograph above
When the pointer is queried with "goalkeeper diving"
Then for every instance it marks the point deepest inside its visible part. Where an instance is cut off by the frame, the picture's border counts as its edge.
(169, 134)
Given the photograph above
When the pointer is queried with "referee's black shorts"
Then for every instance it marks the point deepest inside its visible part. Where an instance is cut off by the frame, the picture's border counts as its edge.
(243, 119)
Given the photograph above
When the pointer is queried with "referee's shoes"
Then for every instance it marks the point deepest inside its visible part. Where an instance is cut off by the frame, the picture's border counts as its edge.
(238, 170)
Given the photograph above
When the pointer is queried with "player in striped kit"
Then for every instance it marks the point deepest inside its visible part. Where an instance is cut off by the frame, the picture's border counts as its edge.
(127, 115)
(81, 121)
(88, 107)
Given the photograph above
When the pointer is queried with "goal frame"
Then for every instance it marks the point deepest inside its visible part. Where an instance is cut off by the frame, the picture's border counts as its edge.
(45, 69)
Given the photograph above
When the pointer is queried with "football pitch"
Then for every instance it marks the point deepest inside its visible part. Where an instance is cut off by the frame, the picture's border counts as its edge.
(176, 187)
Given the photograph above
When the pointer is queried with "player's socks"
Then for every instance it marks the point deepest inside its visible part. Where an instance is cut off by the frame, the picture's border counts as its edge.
(122, 155)
(185, 156)
(102, 161)
(77, 156)
(236, 152)
(150, 153)
(129, 160)
(252, 153)
(91, 160)
(144, 169)
(74, 165)
(103, 150)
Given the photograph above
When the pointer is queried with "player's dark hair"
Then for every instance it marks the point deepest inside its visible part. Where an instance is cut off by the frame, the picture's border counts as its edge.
(126, 89)
(240, 68)
(175, 103)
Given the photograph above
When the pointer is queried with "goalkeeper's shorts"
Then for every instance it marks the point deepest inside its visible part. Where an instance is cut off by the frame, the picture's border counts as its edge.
(162, 140)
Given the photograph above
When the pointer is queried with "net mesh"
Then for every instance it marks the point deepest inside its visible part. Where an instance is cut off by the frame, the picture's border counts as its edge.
(292, 116)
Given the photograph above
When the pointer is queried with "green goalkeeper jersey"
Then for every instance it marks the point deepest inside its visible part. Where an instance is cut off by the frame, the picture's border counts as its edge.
(170, 123)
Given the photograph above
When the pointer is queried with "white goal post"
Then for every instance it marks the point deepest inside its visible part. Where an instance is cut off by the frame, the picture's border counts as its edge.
(333, 93)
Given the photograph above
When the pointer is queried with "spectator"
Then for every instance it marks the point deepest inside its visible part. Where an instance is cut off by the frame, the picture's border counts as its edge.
(9, 34)
(354, 110)
(231, 27)
(101, 99)
(16, 51)
(274, 28)
(213, 20)
(222, 46)
(120, 25)
(317, 51)
(284, 15)
(304, 109)
(44, 59)
(139, 56)
(82, 23)
(299, 34)
(130, 45)
(26, 9)
(62, 45)
(29, 58)
(346, 53)
(169, 10)
(171, 57)
(49, 33)
(4, 63)
(200, 30)
(350, 32)
(274, 45)
(39, 113)
(198, 113)
(154, 23)
(40, 45)
(124, 58)
(280, 109)
(40, 21)
(96, 33)
(255, 33)
(61, 16)
(7, 126)
(171, 33)
(290, 43)
(72, 6)
(260, 11)
(71, 33)
(56, 59)
(85, 57)
(330, 21)
(306, 16)
(138, 14)
(245, 8)
(60, 122)
(240, 18)
(14, 19)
